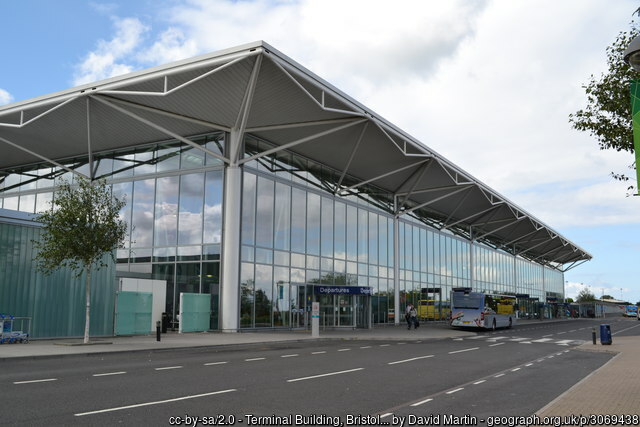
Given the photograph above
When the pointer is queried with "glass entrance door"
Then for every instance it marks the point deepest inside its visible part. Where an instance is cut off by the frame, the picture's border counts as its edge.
(298, 302)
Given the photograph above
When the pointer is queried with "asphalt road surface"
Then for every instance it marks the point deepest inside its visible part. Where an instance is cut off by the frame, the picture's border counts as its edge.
(507, 372)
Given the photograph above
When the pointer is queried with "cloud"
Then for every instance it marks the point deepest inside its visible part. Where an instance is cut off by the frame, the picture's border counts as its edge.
(107, 59)
(5, 97)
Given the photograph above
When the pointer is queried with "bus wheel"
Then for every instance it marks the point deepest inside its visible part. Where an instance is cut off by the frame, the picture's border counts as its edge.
(510, 323)
(493, 325)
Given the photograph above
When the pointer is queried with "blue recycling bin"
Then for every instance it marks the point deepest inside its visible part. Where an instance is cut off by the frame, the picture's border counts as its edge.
(605, 335)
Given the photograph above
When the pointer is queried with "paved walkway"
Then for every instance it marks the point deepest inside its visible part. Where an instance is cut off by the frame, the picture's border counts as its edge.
(614, 389)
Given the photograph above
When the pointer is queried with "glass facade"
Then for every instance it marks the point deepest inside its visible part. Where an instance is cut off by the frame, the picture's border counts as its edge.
(297, 234)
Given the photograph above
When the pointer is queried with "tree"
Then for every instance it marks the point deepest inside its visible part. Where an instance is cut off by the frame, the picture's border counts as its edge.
(607, 116)
(607, 297)
(82, 227)
(569, 300)
(585, 295)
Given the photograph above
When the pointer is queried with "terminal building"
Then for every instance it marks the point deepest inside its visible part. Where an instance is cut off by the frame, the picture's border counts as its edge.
(254, 182)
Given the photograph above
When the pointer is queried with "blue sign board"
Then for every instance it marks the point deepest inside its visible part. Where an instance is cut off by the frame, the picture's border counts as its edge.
(343, 290)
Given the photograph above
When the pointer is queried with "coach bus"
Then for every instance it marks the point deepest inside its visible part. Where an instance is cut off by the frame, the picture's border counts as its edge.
(631, 311)
(481, 310)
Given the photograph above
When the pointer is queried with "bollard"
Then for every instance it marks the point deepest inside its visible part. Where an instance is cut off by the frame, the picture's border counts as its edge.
(158, 330)
(593, 335)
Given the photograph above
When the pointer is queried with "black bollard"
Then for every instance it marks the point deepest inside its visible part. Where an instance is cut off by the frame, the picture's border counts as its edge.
(593, 335)
(158, 331)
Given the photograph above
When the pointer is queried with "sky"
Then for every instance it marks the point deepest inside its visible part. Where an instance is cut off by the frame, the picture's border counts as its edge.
(488, 84)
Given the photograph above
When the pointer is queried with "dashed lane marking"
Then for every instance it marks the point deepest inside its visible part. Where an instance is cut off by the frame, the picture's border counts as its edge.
(324, 375)
(466, 349)
(36, 381)
(421, 402)
(106, 374)
(410, 360)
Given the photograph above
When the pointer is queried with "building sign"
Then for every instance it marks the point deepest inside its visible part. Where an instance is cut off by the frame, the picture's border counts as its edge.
(343, 290)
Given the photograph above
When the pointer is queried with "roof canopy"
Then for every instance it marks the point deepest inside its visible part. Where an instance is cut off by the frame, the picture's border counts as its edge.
(258, 90)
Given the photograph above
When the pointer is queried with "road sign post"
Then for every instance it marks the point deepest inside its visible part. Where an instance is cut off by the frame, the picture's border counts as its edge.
(315, 319)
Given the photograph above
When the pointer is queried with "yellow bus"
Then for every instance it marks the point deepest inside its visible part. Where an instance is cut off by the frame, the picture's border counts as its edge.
(428, 310)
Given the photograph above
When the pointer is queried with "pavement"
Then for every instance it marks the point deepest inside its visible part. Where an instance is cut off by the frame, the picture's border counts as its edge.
(613, 389)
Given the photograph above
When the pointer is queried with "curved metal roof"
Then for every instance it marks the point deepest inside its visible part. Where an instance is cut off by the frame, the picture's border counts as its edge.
(260, 91)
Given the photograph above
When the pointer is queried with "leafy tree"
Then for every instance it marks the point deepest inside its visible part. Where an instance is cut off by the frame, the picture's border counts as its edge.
(607, 116)
(569, 300)
(585, 295)
(80, 229)
(607, 297)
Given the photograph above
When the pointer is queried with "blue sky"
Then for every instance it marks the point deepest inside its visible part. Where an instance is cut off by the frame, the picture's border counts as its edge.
(488, 84)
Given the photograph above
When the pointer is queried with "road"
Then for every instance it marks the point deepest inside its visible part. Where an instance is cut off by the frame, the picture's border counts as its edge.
(507, 372)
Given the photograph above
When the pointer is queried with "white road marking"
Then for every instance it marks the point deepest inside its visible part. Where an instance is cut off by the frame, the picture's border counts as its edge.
(493, 345)
(366, 346)
(515, 369)
(498, 338)
(458, 339)
(455, 391)
(528, 364)
(466, 349)
(290, 355)
(215, 363)
(543, 340)
(109, 373)
(563, 342)
(518, 339)
(479, 382)
(254, 359)
(324, 375)
(421, 402)
(497, 376)
(318, 352)
(410, 360)
(385, 345)
(36, 381)
(550, 335)
(168, 367)
(385, 415)
(476, 337)
(560, 333)
(345, 349)
(154, 403)
(524, 342)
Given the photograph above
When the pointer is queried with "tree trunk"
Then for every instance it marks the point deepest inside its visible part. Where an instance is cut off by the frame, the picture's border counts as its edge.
(87, 290)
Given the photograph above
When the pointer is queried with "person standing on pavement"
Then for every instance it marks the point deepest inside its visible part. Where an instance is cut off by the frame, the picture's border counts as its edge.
(407, 315)
(413, 318)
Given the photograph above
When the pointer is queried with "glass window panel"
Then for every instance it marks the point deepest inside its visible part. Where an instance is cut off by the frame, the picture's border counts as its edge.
(213, 207)
(326, 264)
(263, 295)
(142, 213)
(211, 285)
(247, 253)
(123, 166)
(340, 230)
(297, 275)
(281, 314)
(144, 164)
(246, 295)
(216, 145)
(27, 203)
(373, 238)
(312, 276)
(264, 256)
(187, 279)
(248, 209)
(264, 213)
(191, 205)
(282, 217)
(313, 224)
(391, 239)
(298, 260)
(43, 202)
(166, 214)
(168, 158)
(327, 227)
(383, 243)
(363, 236)
(298, 220)
(339, 266)
(164, 254)
(281, 258)
(352, 233)
(191, 157)
(124, 191)
(189, 253)
(313, 262)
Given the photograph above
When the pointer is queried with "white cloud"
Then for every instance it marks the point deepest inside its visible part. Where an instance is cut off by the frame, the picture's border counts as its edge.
(5, 97)
(489, 84)
(109, 58)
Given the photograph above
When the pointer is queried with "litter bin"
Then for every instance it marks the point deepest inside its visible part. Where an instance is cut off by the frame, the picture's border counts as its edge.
(165, 322)
(605, 335)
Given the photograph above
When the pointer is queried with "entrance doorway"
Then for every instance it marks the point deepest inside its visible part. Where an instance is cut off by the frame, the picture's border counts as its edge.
(342, 306)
